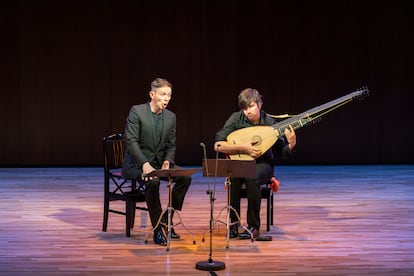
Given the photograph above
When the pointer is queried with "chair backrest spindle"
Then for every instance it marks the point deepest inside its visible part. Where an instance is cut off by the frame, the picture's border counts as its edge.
(113, 151)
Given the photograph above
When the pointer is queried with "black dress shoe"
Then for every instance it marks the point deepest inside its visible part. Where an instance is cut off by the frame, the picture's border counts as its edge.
(234, 231)
(159, 237)
(246, 235)
(173, 234)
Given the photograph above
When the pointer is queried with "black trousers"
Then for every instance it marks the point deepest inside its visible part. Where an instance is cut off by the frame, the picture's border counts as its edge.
(152, 195)
(264, 172)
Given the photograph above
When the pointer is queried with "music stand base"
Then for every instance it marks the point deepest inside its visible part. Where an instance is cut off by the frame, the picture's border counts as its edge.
(210, 265)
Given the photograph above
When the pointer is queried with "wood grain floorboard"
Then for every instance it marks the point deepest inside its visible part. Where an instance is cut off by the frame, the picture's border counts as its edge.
(329, 220)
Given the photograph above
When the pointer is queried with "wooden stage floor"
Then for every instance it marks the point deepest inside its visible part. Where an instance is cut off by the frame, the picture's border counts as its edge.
(329, 220)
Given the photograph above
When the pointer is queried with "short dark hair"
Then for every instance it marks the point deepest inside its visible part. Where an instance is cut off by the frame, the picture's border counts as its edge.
(247, 95)
(159, 82)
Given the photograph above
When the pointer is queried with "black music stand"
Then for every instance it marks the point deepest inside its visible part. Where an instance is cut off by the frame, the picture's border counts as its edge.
(231, 168)
(170, 174)
(224, 168)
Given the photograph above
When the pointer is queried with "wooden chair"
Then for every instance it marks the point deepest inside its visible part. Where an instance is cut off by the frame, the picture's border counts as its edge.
(117, 188)
(267, 193)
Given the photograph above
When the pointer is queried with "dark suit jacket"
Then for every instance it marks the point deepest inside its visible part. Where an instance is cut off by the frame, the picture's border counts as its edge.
(140, 140)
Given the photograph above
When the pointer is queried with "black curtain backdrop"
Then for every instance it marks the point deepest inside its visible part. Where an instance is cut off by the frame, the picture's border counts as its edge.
(70, 71)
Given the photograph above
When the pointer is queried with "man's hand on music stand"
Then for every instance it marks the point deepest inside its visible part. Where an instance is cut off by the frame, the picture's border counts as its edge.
(165, 165)
(146, 169)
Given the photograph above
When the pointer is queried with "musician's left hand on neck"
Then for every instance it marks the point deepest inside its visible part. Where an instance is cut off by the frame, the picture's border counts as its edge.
(290, 137)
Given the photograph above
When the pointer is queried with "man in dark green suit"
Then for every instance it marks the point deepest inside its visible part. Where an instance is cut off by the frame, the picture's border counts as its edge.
(150, 135)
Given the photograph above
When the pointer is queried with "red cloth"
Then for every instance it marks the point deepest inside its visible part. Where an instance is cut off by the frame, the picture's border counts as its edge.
(274, 184)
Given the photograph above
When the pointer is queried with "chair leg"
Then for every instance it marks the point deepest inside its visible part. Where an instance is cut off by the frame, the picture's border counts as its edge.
(268, 213)
(271, 208)
(128, 218)
(133, 209)
(105, 214)
(130, 207)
